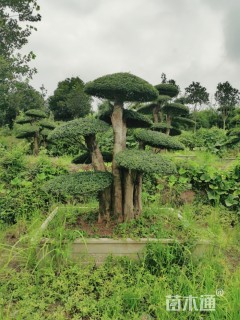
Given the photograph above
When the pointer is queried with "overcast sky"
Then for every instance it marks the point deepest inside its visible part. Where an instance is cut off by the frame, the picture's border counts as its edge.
(189, 40)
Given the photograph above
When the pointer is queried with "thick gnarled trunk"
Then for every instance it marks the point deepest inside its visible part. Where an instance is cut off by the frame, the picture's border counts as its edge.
(36, 144)
(96, 155)
(119, 129)
(155, 114)
(98, 165)
(128, 195)
(169, 121)
(137, 196)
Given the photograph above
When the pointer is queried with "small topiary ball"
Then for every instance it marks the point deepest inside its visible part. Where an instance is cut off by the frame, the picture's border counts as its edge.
(167, 89)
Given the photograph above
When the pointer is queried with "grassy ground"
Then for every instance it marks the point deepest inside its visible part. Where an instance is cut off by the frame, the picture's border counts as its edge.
(45, 284)
(50, 286)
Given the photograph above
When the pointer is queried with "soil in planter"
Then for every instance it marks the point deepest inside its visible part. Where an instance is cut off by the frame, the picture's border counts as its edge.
(154, 223)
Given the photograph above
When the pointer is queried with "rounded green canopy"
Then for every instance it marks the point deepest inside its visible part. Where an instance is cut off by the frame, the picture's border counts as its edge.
(77, 128)
(167, 89)
(36, 113)
(158, 139)
(78, 183)
(175, 109)
(123, 87)
(144, 161)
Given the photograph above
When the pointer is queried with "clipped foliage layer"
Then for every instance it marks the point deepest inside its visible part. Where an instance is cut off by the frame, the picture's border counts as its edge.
(123, 87)
(77, 128)
(80, 183)
(144, 161)
(36, 113)
(24, 120)
(167, 89)
(26, 131)
(176, 109)
(47, 124)
(158, 139)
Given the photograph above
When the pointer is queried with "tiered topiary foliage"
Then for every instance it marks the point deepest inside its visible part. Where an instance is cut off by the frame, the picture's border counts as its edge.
(34, 125)
(79, 183)
(123, 199)
(134, 163)
(165, 111)
(120, 88)
(158, 140)
(173, 110)
(74, 132)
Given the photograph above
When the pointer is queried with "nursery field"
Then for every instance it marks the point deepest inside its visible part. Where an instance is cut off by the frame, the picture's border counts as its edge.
(43, 282)
(119, 193)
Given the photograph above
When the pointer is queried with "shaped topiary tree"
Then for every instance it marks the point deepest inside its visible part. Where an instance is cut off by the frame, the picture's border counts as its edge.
(123, 199)
(155, 108)
(87, 128)
(34, 125)
(134, 164)
(174, 110)
(83, 183)
(120, 88)
(157, 140)
(163, 109)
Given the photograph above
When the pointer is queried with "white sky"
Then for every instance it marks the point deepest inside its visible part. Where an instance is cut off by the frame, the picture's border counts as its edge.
(189, 40)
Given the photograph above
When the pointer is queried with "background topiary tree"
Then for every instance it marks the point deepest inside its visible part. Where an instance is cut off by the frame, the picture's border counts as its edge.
(157, 140)
(164, 109)
(34, 125)
(173, 110)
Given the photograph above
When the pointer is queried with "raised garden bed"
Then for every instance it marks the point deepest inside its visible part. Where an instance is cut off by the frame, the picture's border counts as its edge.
(88, 249)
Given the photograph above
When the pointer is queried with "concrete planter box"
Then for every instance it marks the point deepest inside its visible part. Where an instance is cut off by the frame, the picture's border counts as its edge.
(97, 250)
(85, 250)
